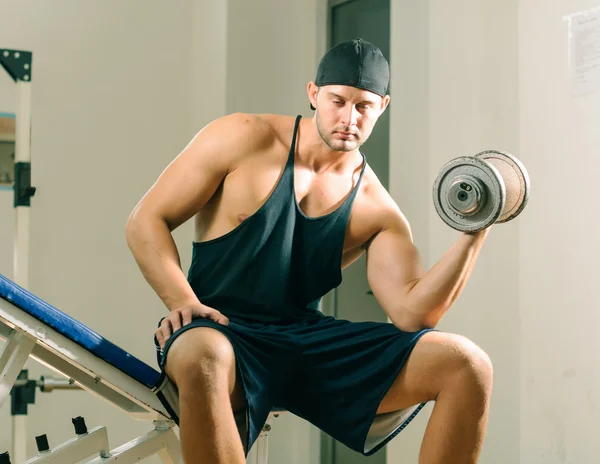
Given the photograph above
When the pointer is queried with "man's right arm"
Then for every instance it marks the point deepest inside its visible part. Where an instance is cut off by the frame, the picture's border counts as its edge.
(182, 189)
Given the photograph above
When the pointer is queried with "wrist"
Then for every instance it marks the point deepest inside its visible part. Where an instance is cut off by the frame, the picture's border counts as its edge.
(184, 302)
(479, 235)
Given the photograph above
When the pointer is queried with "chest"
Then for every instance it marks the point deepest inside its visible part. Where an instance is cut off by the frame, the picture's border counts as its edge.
(250, 186)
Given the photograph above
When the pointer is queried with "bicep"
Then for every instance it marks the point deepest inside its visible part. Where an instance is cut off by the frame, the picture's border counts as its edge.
(192, 178)
(394, 265)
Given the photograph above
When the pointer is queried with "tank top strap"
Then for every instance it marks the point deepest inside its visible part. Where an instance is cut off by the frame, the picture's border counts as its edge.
(350, 198)
(293, 146)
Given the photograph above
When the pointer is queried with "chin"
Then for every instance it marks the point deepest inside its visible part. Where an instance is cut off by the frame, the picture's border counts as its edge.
(352, 147)
(345, 145)
(345, 149)
(349, 146)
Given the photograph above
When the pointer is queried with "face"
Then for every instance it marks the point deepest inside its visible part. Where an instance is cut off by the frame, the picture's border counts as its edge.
(345, 116)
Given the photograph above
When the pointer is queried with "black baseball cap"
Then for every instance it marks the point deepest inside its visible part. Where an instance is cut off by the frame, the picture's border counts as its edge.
(356, 63)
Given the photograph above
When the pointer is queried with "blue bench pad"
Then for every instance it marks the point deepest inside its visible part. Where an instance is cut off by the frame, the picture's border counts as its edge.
(78, 332)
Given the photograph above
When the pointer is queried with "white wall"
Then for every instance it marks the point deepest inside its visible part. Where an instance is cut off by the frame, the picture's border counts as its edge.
(455, 80)
(111, 107)
(409, 179)
(559, 251)
(473, 75)
(208, 83)
(272, 55)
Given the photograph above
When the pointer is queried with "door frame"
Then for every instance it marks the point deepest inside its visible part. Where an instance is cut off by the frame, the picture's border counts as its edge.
(329, 301)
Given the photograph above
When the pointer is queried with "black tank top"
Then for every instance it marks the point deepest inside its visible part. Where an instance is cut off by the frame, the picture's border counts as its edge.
(278, 263)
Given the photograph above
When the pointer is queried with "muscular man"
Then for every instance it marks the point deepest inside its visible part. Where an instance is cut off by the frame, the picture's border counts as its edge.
(281, 206)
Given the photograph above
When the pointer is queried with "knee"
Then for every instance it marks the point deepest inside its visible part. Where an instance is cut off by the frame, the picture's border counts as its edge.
(197, 355)
(457, 358)
(471, 361)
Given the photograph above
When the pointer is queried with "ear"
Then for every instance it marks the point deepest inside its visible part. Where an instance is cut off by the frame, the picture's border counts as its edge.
(385, 101)
(312, 91)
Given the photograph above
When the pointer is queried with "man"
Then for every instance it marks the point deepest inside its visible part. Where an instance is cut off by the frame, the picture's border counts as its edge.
(281, 205)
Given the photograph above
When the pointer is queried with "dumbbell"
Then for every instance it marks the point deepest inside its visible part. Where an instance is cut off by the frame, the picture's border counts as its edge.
(470, 193)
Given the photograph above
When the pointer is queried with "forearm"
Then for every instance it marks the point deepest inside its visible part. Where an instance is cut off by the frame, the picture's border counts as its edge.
(431, 297)
(155, 252)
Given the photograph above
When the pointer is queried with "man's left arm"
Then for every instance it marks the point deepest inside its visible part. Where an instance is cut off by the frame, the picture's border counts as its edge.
(412, 298)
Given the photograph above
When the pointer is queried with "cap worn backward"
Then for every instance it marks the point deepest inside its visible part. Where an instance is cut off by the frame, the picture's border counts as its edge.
(356, 63)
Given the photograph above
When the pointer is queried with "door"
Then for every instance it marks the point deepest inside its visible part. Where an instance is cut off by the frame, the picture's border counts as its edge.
(370, 20)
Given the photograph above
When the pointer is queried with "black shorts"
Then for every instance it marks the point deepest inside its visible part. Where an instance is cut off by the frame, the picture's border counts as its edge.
(331, 372)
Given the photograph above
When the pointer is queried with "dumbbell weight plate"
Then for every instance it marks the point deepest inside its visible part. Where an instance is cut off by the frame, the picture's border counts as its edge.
(516, 180)
(469, 194)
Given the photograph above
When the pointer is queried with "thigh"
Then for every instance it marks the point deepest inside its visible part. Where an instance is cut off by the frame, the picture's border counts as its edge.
(343, 373)
(435, 359)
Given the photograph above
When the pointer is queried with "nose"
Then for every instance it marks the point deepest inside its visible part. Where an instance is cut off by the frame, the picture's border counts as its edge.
(349, 115)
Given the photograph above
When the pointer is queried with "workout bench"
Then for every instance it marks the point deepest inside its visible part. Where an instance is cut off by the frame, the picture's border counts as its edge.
(32, 327)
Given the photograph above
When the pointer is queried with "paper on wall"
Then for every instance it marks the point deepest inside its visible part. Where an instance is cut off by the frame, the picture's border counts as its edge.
(584, 52)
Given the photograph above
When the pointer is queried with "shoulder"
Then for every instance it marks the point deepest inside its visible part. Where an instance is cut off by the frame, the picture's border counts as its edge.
(384, 211)
(233, 138)
(249, 132)
(238, 129)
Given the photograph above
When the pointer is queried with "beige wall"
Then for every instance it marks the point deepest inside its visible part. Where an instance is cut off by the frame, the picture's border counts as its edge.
(455, 77)
(476, 75)
(271, 55)
(558, 244)
(110, 109)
